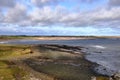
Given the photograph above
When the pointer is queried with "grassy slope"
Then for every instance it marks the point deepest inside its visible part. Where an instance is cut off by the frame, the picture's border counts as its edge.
(8, 70)
(11, 65)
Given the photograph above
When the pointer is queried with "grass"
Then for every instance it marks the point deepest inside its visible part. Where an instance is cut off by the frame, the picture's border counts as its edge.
(9, 71)
(14, 37)
(57, 55)
(59, 67)
(62, 71)
(13, 50)
(65, 72)
(3, 65)
(102, 78)
(53, 54)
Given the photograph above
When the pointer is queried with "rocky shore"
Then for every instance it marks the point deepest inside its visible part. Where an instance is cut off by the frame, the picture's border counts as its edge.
(77, 50)
(49, 62)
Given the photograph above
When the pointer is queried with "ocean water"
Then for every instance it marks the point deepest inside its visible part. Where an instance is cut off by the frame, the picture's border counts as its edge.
(105, 52)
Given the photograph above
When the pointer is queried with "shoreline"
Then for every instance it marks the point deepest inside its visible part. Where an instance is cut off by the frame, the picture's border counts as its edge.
(75, 50)
(68, 56)
(56, 37)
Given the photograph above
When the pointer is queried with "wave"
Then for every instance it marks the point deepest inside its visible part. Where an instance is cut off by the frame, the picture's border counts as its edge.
(3, 42)
(98, 46)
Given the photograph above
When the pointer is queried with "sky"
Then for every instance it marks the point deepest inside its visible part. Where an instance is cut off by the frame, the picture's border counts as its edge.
(60, 17)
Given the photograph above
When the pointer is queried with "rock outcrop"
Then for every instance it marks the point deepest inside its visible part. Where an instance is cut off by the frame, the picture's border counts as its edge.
(116, 76)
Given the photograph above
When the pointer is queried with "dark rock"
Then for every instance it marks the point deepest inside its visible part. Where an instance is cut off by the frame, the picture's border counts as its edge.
(103, 70)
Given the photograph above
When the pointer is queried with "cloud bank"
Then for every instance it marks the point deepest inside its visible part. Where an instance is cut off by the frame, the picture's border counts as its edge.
(65, 13)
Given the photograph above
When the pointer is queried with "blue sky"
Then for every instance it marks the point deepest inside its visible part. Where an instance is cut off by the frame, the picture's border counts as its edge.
(60, 17)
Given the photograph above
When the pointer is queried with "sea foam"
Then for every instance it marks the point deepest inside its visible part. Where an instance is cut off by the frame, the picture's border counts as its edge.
(98, 46)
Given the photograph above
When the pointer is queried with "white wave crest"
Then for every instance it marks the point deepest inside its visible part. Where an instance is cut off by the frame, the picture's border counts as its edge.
(2, 42)
(98, 46)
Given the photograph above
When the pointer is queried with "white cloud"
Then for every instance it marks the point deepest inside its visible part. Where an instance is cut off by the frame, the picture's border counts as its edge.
(16, 14)
(7, 3)
(106, 17)
(47, 16)
(88, 1)
(59, 15)
(1, 17)
(114, 2)
(41, 3)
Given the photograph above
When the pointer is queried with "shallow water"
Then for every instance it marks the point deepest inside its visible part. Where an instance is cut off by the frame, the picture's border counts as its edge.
(105, 52)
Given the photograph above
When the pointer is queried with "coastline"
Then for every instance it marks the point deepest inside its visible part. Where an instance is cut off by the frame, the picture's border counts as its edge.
(56, 37)
(69, 55)
(47, 63)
